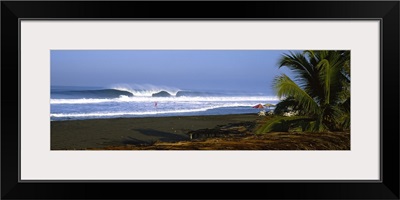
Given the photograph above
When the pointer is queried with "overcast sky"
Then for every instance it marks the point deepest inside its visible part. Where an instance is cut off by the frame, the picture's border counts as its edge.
(184, 69)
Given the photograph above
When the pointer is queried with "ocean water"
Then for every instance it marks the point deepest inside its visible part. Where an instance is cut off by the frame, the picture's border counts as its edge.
(72, 103)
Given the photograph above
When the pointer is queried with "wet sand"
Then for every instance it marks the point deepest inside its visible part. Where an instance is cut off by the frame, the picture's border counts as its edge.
(102, 133)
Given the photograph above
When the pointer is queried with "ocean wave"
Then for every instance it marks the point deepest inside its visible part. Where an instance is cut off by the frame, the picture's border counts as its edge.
(124, 98)
(145, 90)
(114, 114)
(116, 91)
(113, 92)
(100, 93)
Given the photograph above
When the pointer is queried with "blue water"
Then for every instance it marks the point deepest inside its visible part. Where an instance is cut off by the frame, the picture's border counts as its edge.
(71, 103)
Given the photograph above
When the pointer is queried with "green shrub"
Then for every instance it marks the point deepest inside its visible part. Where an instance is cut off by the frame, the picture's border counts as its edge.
(284, 124)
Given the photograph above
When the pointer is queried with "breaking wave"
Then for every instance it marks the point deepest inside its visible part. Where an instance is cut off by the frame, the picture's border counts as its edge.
(124, 98)
(114, 114)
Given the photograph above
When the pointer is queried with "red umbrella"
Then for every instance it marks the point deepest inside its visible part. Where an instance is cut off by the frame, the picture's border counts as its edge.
(258, 106)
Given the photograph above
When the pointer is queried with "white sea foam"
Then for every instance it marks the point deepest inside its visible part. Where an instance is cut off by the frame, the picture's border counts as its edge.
(146, 90)
(123, 98)
(112, 114)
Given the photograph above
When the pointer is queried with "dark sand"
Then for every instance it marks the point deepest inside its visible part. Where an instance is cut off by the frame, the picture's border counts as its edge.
(101, 133)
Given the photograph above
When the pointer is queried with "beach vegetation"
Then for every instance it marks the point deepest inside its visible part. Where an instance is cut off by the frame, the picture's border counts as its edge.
(284, 124)
(318, 96)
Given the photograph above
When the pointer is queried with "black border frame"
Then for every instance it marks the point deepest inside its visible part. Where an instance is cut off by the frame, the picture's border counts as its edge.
(386, 11)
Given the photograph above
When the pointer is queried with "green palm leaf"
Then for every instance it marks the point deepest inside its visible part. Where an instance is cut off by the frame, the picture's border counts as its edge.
(320, 88)
(285, 87)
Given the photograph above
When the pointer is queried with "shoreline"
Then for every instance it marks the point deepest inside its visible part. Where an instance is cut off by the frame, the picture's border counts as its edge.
(102, 133)
(206, 111)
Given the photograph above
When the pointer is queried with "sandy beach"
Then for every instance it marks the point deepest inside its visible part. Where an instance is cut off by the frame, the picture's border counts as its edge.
(101, 133)
(218, 132)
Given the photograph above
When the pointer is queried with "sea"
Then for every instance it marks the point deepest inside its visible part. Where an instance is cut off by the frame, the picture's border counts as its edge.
(79, 103)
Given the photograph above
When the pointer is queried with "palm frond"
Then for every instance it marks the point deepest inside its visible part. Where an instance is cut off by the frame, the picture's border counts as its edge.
(324, 64)
(285, 87)
(286, 105)
(320, 88)
(306, 74)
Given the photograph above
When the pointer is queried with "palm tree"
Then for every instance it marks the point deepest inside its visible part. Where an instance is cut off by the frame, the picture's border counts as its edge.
(320, 89)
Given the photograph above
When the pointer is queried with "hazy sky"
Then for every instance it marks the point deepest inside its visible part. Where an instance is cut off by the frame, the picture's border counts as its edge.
(184, 69)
